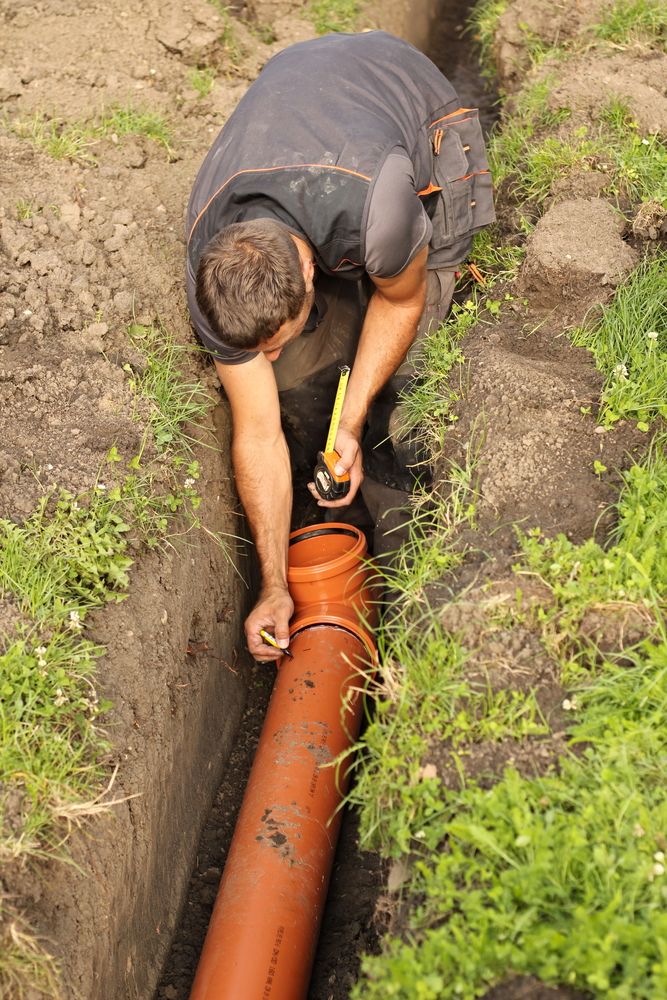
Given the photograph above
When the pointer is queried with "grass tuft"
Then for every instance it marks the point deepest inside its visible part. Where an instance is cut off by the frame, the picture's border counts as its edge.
(483, 23)
(27, 970)
(631, 21)
(629, 344)
(60, 140)
(333, 15)
(127, 120)
(202, 80)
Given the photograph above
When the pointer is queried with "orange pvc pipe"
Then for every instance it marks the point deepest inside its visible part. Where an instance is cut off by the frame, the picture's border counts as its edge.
(263, 932)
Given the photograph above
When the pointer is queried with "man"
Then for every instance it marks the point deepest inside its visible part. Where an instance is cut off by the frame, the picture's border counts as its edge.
(340, 195)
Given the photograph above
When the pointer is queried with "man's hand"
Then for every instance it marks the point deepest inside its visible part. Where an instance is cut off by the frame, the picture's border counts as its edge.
(272, 612)
(348, 447)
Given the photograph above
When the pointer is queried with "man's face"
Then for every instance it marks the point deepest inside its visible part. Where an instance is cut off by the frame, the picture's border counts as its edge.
(272, 348)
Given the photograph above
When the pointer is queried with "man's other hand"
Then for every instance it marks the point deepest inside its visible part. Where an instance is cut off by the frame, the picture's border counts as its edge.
(349, 448)
(272, 612)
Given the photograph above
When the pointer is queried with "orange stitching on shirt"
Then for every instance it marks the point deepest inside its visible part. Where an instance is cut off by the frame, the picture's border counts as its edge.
(452, 114)
(475, 173)
(346, 260)
(265, 170)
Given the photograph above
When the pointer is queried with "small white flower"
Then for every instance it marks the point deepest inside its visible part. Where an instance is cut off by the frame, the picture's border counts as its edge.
(74, 621)
(569, 704)
(652, 335)
(40, 650)
(101, 486)
(189, 483)
(621, 371)
(657, 869)
(60, 698)
(638, 830)
(659, 856)
(645, 142)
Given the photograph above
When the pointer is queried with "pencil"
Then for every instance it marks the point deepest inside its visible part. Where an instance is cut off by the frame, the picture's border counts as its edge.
(270, 641)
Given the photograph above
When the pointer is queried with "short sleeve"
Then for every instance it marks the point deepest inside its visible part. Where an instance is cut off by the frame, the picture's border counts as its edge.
(213, 346)
(397, 226)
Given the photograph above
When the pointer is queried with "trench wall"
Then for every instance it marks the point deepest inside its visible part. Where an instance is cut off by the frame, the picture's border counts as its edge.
(177, 682)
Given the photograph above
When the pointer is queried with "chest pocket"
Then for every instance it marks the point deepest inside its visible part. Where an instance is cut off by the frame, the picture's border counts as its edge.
(460, 195)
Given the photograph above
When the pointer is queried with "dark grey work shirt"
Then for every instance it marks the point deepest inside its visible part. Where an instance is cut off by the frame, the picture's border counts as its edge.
(397, 228)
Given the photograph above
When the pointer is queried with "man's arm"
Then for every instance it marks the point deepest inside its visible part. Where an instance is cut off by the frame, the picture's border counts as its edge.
(389, 329)
(263, 479)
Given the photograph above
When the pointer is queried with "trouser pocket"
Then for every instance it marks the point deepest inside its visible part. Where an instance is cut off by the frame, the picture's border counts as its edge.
(461, 201)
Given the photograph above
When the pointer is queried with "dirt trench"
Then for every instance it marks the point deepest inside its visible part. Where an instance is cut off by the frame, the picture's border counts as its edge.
(351, 925)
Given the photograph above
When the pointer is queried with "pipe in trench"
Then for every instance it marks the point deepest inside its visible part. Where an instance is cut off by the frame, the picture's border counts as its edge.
(263, 932)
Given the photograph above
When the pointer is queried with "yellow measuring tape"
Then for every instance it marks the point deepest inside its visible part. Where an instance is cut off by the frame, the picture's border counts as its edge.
(337, 407)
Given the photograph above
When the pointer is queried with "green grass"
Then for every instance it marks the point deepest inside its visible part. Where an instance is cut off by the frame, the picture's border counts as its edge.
(483, 24)
(427, 402)
(333, 15)
(202, 80)
(634, 21)
(25, 209)
(228, 38)
(175, 400)
(529, 159)
(60, 140)
(630, 572)
(498, 261)
(76, 140)
(127, 120)
(561, 876)
(552, 877)
(629, 344)
(624, 23)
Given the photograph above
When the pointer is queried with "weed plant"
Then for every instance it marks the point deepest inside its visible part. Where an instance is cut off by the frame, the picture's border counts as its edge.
(228, 37)
(629, 344)
(26, 969)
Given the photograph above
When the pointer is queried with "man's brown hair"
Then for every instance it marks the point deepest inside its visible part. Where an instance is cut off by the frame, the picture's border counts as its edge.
(249, 282)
